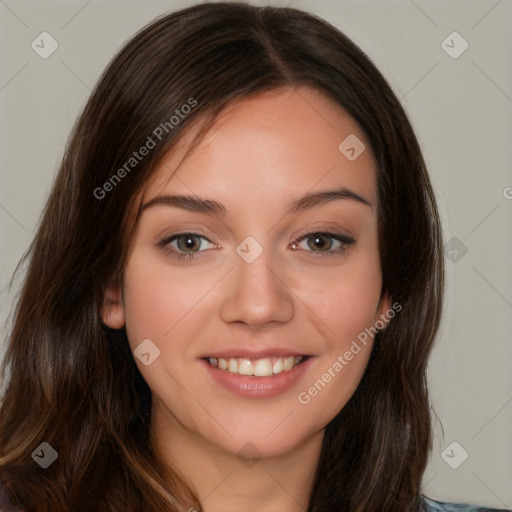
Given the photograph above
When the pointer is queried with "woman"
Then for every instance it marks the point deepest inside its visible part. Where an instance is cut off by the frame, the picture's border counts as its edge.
(276, 359)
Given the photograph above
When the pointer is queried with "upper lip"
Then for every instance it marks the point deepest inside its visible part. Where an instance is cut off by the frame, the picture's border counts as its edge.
(253, 353)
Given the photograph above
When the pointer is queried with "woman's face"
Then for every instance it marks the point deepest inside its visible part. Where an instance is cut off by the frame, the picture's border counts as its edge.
(277, 265)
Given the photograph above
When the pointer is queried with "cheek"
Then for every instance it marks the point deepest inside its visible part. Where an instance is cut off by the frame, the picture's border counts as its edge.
(157, 297)
(346, 352)
(345, 299)
(161, 304)
(353, 305)
(345, 307)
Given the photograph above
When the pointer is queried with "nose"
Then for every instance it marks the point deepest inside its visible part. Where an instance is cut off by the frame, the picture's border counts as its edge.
(256, 294)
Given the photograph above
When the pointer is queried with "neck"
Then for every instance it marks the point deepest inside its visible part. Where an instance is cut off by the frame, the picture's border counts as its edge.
(226, 481)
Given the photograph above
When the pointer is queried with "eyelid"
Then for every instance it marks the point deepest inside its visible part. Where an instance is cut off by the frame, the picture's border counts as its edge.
(164, 243)
(344, 239)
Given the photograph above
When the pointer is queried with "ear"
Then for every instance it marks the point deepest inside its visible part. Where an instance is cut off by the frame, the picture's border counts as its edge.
(112, 310)
(384, 311)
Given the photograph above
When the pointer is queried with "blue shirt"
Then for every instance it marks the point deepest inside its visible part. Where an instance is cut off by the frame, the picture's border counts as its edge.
(440, 506)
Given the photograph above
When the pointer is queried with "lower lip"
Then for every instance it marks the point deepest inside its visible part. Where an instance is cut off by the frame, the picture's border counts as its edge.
(258, 387)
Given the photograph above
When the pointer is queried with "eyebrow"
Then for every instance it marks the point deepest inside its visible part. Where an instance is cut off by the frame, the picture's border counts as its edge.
(202, 205)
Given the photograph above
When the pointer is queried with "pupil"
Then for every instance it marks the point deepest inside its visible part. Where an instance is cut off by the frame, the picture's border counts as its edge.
(189, 242)
(319, 240)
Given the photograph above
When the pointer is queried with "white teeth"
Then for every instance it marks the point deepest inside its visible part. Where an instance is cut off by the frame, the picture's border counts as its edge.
(265, 367)
(278, 366)
(244, 368)
(289, 362)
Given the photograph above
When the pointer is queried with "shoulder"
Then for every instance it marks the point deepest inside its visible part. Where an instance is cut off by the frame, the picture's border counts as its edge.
(441, 506)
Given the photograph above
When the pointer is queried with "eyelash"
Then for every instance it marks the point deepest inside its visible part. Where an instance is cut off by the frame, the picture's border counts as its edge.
(345, 241)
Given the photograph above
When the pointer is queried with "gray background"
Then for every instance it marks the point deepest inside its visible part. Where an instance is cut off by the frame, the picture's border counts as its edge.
(462, 111)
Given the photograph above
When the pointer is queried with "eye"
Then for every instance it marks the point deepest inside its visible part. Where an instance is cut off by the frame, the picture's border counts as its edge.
(323, 243)
(184, 245)
(190, 245)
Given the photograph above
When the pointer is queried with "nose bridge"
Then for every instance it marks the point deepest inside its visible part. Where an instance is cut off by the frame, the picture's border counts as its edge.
(256, 294)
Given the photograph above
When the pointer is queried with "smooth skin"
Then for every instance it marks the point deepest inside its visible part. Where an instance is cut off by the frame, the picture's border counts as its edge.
(264, 151)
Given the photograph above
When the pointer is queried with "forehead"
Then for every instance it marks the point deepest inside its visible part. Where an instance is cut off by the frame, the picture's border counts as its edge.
(276, 144)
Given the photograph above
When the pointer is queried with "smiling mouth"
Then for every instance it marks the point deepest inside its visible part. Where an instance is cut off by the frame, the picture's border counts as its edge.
(264, 367)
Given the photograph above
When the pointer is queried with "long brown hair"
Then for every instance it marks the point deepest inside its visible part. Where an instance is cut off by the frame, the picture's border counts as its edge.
(72, 382)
